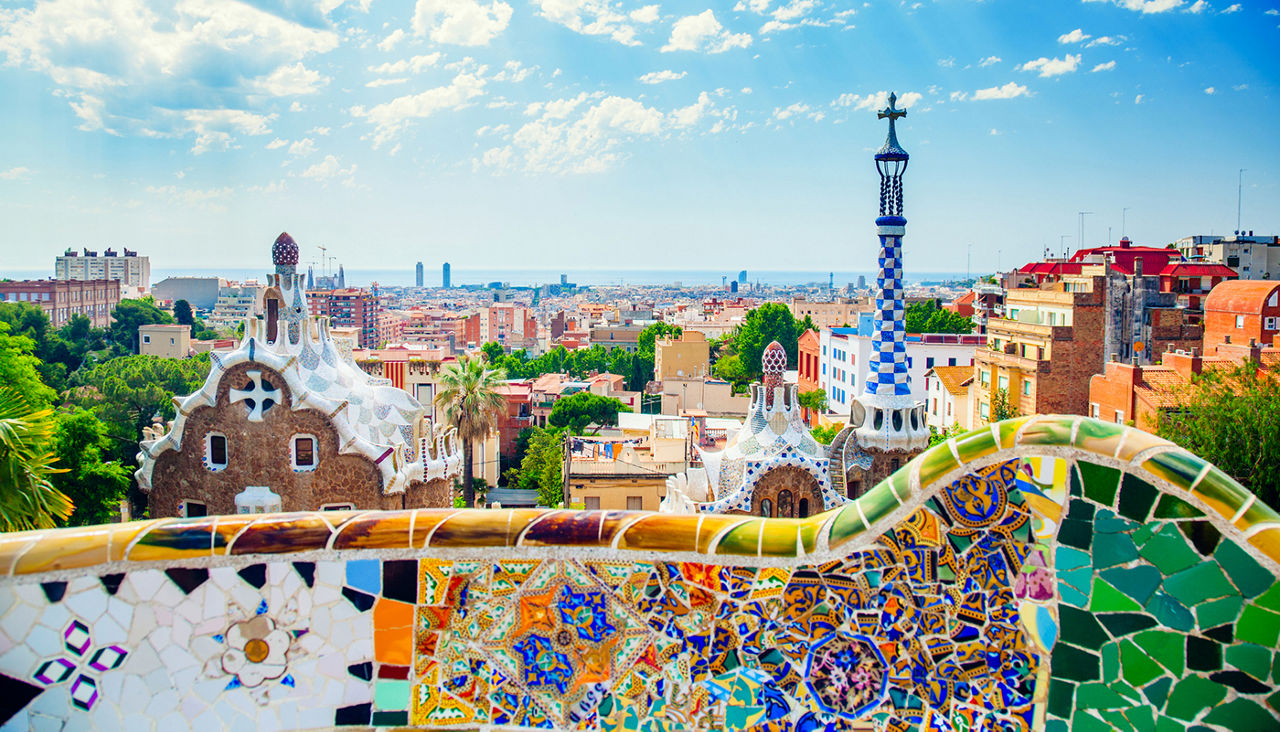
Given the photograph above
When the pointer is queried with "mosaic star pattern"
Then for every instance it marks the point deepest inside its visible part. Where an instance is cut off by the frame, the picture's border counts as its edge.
(1050, 573)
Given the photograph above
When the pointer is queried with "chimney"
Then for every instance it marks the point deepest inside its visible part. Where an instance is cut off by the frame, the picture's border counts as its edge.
(1184, 364)
(1137, 267)
(1124, 243)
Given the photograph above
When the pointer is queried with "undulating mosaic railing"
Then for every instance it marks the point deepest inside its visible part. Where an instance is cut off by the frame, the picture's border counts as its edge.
(1049, 573)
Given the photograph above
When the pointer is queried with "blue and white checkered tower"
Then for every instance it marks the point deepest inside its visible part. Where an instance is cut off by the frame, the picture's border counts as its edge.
(885, 416)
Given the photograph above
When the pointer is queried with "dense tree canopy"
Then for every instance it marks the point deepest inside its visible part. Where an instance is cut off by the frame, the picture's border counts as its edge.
(95, 485)
(19, 369)
(1232, 419)
(28, 498)
(542, 467)
(770, 322)
(585, 409)
(927, 317)
(130, 314)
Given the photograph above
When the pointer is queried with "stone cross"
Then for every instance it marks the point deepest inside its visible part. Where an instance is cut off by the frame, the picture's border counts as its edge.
(260, 396)
(891, 112)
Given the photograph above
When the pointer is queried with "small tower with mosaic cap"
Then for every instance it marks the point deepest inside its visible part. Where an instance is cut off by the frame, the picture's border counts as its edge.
(885, 416)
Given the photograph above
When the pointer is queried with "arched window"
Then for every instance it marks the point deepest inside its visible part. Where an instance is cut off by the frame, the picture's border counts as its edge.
(785, 509)
(215, 451)
(804, 508)
(766, 508)
(305, 457)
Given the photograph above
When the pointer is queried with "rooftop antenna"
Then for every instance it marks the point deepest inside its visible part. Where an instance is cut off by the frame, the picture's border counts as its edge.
(1062, 242)
(1082, 215)
(1239, 197)
(1123, 213)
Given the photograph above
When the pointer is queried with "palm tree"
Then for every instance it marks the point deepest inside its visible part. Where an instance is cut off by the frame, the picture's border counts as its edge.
(468, 393)
(28, 499)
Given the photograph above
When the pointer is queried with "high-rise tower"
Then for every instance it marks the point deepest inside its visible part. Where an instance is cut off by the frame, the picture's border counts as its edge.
(418, 275)
(444, 278)
(885, 416)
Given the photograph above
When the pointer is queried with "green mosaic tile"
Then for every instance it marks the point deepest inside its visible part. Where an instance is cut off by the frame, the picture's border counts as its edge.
(1242, 714)
(1136, 498)
(1080, 628)
(1165, 647)
(1194, 585)
(1251, 659)
(1110, 663)
(1222, 634)
(1105, 598)
(1081, 510)
(1071, 595)
(1061, 698)
(846, 525)
(1142, 718)
(1203, 535)
(1273, 701)
(1076, 533)
(1136, 582)
(1098, 437)
(1100, 482)
(935, 463)
(1191, 695)
(1244, 570)
(1056, 725)
(1122, 624)
(1172, 507)
(1067, 558)
(1115, 718)
(1128, 692)
(1269, 599)
(1221, 492)
(391, 694)
(1144, 532)
(1203, 654)
(1258, 626)
(1176, 466)
(1169, 612)
(1112, 549)
(1083, 720)
(1074, 664)
(975, 444)
(1158, 691)
(1169, 551)
(1108, 523)
(1168, 724)
(1215, 613)
(1136, 666)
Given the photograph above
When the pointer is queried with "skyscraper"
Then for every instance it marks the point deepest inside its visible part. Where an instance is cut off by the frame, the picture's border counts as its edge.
(742, 277)
(885, 416)
(418, 275)
(445, 276)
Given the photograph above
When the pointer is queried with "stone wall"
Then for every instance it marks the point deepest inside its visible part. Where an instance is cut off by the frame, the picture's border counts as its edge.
(1046, 573)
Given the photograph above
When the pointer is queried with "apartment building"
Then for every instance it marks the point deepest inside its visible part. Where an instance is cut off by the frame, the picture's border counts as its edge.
(350, 308)
(1254, 257)
(63, 299)
(132, 271)
(685, 357)
(844, 355)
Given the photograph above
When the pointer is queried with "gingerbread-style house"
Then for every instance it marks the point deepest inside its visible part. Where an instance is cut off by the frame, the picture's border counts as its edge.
(287, 421)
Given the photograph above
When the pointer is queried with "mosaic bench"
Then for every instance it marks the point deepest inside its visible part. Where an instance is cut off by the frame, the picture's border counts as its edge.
(1048, 573)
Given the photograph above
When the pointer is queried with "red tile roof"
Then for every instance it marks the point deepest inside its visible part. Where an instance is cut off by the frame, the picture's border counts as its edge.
(1240, 296)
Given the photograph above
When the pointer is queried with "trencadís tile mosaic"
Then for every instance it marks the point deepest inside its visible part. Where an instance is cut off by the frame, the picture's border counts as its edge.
(1050, 573)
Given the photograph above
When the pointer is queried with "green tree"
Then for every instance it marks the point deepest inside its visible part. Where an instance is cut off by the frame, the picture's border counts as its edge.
(28, 498)
(927, 317)
(814, 401)
(95, 485)
(130, 314)
(579, 411)
(128, 391)
(1231, 418)
(182, 313)
(493, 352)
(1002, 407)
(729, 368)
(825, 434)
(19, 369)
(770, 322)
(468, 392)
(542, 469)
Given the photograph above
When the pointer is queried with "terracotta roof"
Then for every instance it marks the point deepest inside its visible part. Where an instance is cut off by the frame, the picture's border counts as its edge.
(1160, 385)
(953, 378)
(1240, 296)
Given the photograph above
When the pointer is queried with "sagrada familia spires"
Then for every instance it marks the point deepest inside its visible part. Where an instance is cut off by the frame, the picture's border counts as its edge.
(885, 416)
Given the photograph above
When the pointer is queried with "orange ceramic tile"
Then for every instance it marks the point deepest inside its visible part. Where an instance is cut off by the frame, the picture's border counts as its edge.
(70, 549)
(474, 527)
(661, 532)
(388, 530)
(175, 539)
(580, 528)
(283, 533)
(393, 632)
(426, 520)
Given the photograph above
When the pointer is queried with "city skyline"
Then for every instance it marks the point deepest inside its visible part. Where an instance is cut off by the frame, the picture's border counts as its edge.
(536, 134)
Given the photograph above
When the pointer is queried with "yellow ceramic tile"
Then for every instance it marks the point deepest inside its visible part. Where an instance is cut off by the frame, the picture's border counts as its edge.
(426, 521)
(1267, 541)
(67, 549)
(662, 532)
(174, 539)
(474, 527)
(388, 530)
(1052, 429)
(13, 546)
(711, 527)
(122, 536)
(282, 533)
(1098, 437)
(1135, 441)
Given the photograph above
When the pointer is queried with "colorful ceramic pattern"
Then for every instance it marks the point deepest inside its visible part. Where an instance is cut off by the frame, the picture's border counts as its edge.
(1049, 573)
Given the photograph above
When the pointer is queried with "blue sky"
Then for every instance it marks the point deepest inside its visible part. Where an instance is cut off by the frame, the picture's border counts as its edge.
(595, 133)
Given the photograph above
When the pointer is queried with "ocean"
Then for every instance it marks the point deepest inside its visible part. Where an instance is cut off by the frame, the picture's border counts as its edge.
(533, 277)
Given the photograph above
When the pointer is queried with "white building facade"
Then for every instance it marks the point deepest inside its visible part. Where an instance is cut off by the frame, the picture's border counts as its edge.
(132, 271)
(844, 355)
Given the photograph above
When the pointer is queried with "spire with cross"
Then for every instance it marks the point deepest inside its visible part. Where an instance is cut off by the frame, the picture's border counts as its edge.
(891, 146)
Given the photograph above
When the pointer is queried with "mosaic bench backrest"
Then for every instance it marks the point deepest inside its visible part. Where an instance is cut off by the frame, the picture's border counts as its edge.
(1049, 573)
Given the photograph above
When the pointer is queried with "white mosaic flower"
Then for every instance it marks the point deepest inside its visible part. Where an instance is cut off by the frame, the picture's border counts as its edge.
(257, 650)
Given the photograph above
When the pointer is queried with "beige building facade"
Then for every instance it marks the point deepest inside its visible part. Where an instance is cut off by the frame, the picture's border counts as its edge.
(165, 341)
(686, 357)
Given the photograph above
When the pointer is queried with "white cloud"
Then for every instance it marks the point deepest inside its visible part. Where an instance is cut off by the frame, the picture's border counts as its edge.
(875, 101)
(1106, 41)
(657, 77)
(959, 96)
(692, 114)
(292, 80)
(946, 63)
(17, 173)
(514, 72)
(415, 65)
(1272, 11)
(1008, 91)
(1233, 8)
(1137, 99)
(796, 109)
(320, 130)
(386, 82)
(1105, 66)
(990, 60)
(460, 22)
(1144, 6)
(394, 116)
(1210, 90)
(302, 148)
(1075, 36)
(213, 128)
(1240, 87)
(994, 132)
(138, 66)
(1052, 66)
(392, 40)
(329, 168)
(276, 143)
(208, 198)
(703, 32)
(597, 18)
(1198, 7)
